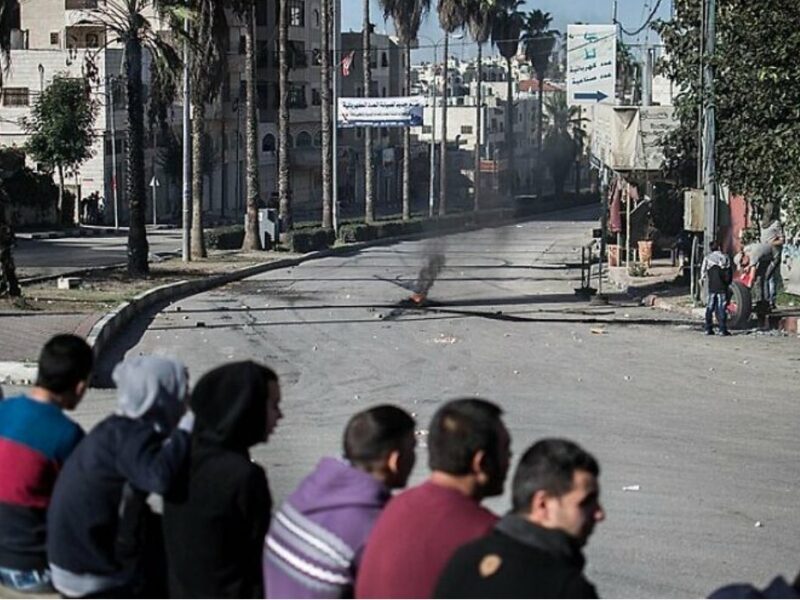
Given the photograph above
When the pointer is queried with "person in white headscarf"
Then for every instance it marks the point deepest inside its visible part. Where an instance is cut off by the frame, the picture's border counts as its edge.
(102, 535)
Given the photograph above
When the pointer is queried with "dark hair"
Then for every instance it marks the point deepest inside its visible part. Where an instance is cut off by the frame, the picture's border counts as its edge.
(372, 434)
(714, 246)
(65, 361)
(458, 430)
(549, 465)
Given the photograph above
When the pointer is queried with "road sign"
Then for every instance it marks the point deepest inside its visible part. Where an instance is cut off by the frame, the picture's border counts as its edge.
(591, 64)
(154, 182)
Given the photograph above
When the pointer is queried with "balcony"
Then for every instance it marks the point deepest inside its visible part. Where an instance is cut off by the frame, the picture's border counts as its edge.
(80, 4)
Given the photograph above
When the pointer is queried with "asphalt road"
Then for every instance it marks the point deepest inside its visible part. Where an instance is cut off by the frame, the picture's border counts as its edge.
(704, 429)
(52, 257)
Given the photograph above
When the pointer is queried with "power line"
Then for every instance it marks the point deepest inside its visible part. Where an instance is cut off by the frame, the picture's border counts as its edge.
(644, 25)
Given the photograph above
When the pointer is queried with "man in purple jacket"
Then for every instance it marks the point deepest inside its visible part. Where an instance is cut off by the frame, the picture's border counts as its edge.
(317, 537)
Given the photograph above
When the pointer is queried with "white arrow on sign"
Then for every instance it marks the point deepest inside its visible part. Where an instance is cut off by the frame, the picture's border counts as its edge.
(154, 182)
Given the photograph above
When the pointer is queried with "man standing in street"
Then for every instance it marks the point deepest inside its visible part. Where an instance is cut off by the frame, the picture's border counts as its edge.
(716, 270)
(420, 529)
(774, 236)
(535, 550)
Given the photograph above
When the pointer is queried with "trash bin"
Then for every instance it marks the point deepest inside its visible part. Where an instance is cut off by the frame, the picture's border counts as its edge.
(268, 227)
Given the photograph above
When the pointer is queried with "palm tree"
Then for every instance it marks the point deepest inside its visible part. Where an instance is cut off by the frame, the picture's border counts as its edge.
(506, 29)
(369, 187)
(206, 73)
(284, 190)
(245, 10)
(131, 23)
(325, 111)
(407, 16)
(626, 70)
(480, 20)
(8, 277)
(538, 41)
(564, 140)
(452, 16)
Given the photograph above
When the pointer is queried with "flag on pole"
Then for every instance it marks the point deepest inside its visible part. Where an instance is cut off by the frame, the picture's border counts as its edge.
(347, 62)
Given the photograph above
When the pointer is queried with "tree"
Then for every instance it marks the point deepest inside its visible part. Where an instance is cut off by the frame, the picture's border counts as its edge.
(407, 16)
(245, 10)
(326, 114)
(284, 184)
(539, 41)
(452, 16)
(564, 140)
(61, 129)
(134, 25)
(480, 20)
(506, 30)
(755, 94)
(208, 32)
(626, 71)
(369, 186)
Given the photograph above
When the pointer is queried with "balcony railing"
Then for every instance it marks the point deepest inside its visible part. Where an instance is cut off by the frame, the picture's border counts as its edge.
(80, 4)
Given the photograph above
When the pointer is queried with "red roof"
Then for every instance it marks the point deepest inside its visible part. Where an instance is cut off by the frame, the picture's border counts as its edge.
(532, 85)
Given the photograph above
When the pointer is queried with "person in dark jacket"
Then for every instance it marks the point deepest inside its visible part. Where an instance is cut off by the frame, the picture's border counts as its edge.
(215, 523)
(336, 506)
(99, 525)
(716, 269)
(535, 551)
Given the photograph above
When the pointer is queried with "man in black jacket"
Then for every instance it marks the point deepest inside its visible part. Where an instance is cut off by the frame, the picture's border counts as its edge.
(716, 269)
(535, 551)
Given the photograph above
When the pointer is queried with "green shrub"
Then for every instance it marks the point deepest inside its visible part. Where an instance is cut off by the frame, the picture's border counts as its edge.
(229, 237)
(310, 239)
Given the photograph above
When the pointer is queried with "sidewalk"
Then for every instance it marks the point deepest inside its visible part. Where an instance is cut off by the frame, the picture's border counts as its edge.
(82, 231)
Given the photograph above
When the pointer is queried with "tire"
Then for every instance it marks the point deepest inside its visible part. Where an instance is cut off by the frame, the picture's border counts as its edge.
(740, 306)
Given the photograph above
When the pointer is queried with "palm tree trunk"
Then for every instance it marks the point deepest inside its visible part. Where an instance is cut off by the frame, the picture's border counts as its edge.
(407, 145)
(512, 172)
(9, 286)
(325, 93)
(60, 212)
(539, 136)
(198, 149)
(252, 241)
(137, 235)
(476, 176)
(369, 191)
(284, 191)
(443, 141)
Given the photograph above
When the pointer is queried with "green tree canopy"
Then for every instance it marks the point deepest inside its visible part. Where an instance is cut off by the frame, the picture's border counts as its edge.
(755, 92)
(61, 124)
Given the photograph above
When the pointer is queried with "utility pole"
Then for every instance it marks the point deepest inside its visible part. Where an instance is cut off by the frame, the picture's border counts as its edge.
(187, 172)
(112, 110)
(432, 177)
(709, 131)
(337, 62)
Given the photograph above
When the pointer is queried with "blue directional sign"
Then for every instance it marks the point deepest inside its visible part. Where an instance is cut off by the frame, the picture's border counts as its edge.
(591, 64)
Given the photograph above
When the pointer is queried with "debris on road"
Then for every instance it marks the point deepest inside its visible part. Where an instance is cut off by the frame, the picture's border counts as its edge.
(759, 524)
(445, 339)
(627, 378)
(631, 488)
(598, 330)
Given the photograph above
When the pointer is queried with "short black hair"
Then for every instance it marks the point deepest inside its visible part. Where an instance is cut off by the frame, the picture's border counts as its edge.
(549, 465)
(714, 245)
(458, 430)
(372, 434)
(65, 361)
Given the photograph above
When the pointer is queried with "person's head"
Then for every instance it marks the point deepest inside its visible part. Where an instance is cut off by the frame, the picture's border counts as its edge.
(236, 405)
(65, 365)
(714, 246)
(556, 486)
(380, 441)
(467, 438)
(152, 388)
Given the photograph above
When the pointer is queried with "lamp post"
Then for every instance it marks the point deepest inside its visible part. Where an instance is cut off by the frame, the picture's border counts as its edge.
(432, 94)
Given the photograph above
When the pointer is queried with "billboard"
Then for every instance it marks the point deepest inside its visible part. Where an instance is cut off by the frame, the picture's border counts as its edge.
(403, 111)
(591, 64)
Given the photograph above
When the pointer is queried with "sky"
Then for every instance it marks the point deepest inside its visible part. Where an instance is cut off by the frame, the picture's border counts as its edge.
(631, 13)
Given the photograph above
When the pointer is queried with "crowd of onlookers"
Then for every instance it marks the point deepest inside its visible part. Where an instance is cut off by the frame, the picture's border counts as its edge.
(161, 498)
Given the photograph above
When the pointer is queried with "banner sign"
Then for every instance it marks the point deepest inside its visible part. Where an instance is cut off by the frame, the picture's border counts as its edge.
(403, 111)
(591, 64)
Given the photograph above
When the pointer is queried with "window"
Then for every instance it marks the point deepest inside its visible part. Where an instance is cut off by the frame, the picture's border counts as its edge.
(16, 96)
(92, 40)
(383, 92)
(242, 45)
(466, 129)
(304, 139)
(297, 13)
(54, 38)
(384, 59)
(316, 18)
(384, 132)
(261, 14)
(316, 97)
(318, 139)
(268, 143)
(297, 96)
(289, 140)
(427, 129)
(316, 57)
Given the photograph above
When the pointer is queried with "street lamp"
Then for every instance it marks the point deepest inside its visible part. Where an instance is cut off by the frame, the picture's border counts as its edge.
(432, 93)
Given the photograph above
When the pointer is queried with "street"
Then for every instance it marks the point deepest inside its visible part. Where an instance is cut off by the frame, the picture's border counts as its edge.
(52, 257)
(696, 435)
